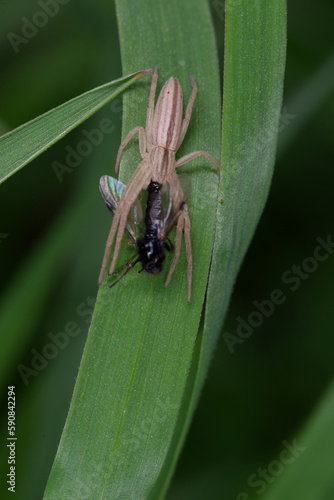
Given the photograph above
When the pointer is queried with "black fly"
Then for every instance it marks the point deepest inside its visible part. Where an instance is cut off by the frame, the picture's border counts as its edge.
(160, 216)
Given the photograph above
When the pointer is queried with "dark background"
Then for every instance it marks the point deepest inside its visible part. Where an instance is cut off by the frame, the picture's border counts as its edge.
(254, 398)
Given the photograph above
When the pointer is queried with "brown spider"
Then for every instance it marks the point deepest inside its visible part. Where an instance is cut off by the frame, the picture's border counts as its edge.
(158, 143)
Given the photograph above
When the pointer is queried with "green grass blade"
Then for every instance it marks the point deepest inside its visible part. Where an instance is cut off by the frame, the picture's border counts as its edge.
(23, 144)
(37, 273)
(308, 471)
(132, 390)
(307, 100)
(255, 43)
(255, 46)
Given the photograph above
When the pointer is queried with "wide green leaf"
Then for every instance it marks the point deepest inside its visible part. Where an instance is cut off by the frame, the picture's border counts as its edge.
(119, 436)
(23, 144)
(145, 360)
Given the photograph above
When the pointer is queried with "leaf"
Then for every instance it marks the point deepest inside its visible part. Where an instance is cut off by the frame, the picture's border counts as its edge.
(144, 360)
(26, 142)
(116, 440)
(308, 469)
(39, 276)
(255, 45)
(307, 100)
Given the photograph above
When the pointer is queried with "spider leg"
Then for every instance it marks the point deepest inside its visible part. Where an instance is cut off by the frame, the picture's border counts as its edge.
(196, 154)
(121, 228)
(183, 224)
(139, 180)
(177, 246)
(150, 109)
(185, 123)
(142, 144)
(110, 240)
(187, 239)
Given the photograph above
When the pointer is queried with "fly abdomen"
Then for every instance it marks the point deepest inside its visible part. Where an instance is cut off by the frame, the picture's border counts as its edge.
(150, 247)
(154, 211)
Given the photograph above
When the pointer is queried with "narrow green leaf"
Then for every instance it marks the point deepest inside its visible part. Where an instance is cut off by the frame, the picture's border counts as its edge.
(307, 100)
(38, 275)
(23, 144)
(308, 474)
(255, 46)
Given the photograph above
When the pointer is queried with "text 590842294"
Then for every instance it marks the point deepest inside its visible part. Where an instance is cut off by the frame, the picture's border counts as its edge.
(11, 445)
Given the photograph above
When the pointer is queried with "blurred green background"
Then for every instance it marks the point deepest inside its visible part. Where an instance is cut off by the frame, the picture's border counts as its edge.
(52, 237)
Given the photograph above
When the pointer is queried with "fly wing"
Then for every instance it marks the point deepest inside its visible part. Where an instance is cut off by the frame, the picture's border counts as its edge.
(173, 196)
(166, 208)
(111, 191)
(185, 182)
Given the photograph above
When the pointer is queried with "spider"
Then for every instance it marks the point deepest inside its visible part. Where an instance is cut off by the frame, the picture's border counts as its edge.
(158, 144)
